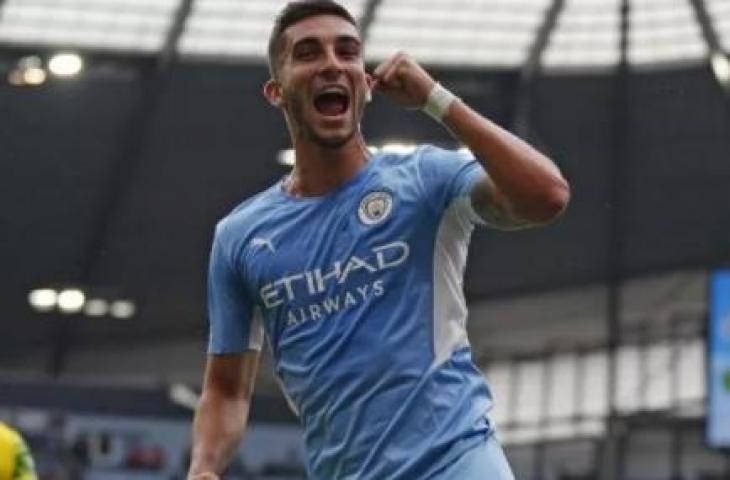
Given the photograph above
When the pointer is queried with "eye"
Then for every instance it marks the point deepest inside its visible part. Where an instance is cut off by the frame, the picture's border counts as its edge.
(348, 49)
(349, 52)
(305, 52)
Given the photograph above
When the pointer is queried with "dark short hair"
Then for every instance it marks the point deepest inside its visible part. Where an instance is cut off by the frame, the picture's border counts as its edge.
(295, 12)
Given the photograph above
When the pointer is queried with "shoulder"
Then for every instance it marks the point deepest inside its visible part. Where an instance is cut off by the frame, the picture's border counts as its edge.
(428, 155)
(414, 163)
(237, 226)
(431, 164)
(244, 215)
(8, 436)
(6, 431)
(422, 152)
(425, 159)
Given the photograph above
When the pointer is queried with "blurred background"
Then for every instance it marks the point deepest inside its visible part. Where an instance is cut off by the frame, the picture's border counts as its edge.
(128, 127)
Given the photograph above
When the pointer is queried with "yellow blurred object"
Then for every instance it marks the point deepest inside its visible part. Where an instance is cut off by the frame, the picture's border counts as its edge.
(16, 462)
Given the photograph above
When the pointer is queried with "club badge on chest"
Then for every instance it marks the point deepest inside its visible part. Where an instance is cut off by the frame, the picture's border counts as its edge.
(375, 207)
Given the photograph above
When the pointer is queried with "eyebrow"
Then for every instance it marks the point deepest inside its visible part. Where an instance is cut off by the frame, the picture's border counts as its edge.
(315, 40)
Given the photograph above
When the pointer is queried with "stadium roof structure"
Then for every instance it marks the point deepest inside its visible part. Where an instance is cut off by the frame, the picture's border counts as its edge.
(482, 33)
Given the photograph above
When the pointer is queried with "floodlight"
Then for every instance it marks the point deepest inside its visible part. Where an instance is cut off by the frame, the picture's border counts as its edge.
(286, 158)
(401, 148)
(28, 71)
(30, 61)
(721, 68)
(122, 309)
(65, 64)
(183, 395)
(34, 76)
(15, 77)
(43, 299)
(96, 307)
(71, 300)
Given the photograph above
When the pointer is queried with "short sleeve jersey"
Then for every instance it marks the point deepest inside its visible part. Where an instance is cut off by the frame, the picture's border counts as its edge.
(359, 293)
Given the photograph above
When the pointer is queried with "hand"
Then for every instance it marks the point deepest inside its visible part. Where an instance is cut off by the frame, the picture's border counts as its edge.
(204, 476)
(404, 81)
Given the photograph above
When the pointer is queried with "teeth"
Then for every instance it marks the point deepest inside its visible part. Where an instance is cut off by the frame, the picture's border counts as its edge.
(339, 90)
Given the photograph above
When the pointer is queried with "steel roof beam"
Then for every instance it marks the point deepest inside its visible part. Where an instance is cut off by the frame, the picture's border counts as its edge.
(614, 447)
(153, 82)
(133, 141)
(716, 55)
(709, 33)
(367, 18)
(532, 63)
(169, 50)
(531, 67)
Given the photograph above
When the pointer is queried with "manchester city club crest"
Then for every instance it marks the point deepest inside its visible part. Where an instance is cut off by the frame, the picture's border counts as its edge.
(375, 207)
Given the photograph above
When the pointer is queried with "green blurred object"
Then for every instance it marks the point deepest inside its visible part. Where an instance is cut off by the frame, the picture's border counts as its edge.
(726, 380)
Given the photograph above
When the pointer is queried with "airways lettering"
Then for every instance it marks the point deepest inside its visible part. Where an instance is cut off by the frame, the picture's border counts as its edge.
(315, 281)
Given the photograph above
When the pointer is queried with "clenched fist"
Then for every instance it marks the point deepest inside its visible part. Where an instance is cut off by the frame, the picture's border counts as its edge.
(403, 80)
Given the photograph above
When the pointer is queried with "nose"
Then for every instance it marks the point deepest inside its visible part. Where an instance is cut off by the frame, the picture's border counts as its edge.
(332, 67)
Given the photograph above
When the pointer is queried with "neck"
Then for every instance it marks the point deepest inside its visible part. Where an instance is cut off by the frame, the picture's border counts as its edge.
(320, 169)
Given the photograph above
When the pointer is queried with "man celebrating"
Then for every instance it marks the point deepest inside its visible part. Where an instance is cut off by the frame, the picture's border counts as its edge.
(352, 268)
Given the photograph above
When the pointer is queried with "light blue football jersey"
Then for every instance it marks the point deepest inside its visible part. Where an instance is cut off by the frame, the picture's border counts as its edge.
(359, 293)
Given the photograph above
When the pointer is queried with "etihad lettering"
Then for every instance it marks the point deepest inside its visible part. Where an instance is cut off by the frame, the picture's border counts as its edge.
(334, 273)
(334, 304)
(316, 281)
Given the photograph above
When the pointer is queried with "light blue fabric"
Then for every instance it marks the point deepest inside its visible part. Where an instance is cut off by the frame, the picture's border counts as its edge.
(486, 461)
(345, 284)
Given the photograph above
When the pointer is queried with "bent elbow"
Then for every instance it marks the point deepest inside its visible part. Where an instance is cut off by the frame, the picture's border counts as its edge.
(559, 198)
(552, 203)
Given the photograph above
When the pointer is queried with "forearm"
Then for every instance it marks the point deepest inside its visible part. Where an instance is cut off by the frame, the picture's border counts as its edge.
(527, 185)
(531, 182)
(217, 430)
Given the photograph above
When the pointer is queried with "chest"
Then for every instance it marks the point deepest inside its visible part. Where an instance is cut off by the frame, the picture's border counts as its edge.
(318, 249)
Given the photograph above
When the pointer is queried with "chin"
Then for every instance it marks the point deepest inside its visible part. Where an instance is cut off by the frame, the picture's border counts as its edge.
(332, 140)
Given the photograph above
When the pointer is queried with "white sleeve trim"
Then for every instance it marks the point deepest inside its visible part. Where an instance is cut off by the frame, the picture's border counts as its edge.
(466, 207)
(256, 332)
(449, 261)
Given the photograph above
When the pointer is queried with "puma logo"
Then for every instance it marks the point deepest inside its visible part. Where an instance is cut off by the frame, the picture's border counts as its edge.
(263, 242)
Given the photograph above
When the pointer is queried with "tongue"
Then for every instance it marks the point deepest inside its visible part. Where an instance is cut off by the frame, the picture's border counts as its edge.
(330, 105)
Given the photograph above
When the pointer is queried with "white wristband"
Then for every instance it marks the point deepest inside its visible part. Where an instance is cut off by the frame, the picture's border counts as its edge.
(438, 102)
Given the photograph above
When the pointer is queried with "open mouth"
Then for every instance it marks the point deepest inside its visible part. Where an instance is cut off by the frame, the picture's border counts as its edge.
(332, 103)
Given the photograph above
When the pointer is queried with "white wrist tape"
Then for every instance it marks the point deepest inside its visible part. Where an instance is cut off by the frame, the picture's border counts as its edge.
(438, 102)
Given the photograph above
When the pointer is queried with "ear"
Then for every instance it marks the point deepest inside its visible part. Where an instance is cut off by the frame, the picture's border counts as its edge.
(272, 92)
(370, 80)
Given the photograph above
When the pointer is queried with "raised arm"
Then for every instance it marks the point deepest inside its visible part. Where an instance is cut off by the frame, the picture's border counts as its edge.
(523, 188)
(222, 414)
